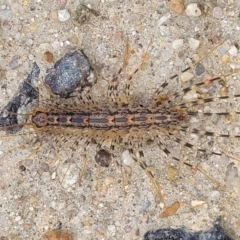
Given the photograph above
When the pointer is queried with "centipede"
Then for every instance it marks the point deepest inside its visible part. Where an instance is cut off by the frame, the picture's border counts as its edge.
(122, 121)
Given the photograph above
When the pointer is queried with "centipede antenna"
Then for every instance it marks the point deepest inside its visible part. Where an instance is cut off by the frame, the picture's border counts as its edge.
(18, 114)
(28, 83)
(17, 134)
(15, 125)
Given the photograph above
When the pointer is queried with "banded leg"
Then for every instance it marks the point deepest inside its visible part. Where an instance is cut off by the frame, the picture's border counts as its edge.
(183, 91)
(185, 144)
(129, 79)
(141, 162)
(112, 92)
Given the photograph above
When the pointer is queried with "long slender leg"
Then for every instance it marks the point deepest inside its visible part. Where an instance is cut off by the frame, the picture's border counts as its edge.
(141, 162)
(185, 144)
(185, 90)
(112, 92)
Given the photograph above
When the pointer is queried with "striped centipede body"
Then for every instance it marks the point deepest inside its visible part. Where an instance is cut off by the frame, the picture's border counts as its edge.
(123, 119)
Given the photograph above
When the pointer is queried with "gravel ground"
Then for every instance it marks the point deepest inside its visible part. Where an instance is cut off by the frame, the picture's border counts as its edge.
(43, 196)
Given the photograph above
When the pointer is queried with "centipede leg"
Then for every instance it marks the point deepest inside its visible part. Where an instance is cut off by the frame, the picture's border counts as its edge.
(129, 79)
(159, 92)
(182, 161)
(141, 162)
(123, 178)
(98, 176)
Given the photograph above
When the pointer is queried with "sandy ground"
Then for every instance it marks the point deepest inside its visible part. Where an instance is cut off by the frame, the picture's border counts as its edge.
(36, 200)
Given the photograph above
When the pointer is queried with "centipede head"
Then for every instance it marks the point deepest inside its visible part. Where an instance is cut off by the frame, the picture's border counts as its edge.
(39, 119)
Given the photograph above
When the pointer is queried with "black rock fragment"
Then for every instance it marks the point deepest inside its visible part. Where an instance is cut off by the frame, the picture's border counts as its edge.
(25, 94)
(215, 233)
(70, 72)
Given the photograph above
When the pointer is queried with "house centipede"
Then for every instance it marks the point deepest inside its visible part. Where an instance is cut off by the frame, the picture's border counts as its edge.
(86, 120)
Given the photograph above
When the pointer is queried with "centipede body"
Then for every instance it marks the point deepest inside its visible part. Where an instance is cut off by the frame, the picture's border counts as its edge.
(110, 119)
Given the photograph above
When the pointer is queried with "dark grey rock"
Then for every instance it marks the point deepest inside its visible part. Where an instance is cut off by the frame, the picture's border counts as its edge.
(215, 233)
(25, 95)
(69, 73)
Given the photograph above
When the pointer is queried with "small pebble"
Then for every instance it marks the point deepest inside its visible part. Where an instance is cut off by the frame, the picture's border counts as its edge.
(224, 91)
(196, 203)
(46, 177)
(22, 168)
(44, 167)
(111, 230)
(68, 174)
(178, 43)
(17, 36)
(127, 228)
(163, 19)
(119, 35)
(193, 43)
(63, 15)
(207, 79)
(14, 62)
(48, 57)
(146, 204)
(186, 76)
(171, 173)
(54, 15)
(108, 180)
(217, 12)
(170, 211)
(165, 55)
(127, 159)
(103, 158)
(199, 69)
(53, 176)
(214, 196)
(5, 15)
(62, 4)
(224, 59)
(74, 39)
(33, 27)
(95, 201)
(233, 50)
(222, 50)
(177, 6)
(231, 174)
(215, 39)
(164, 31)
(193, 10)
(18, 218)
(83, 14)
